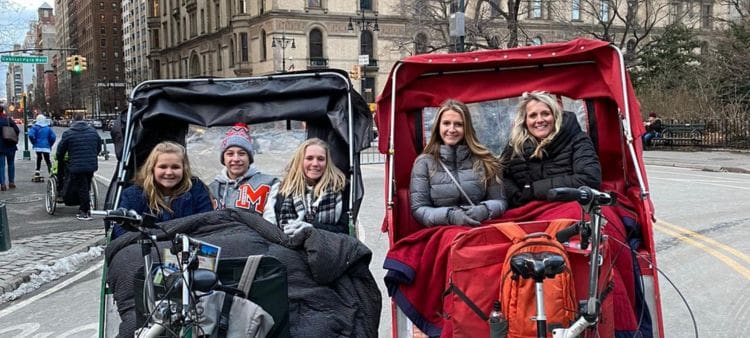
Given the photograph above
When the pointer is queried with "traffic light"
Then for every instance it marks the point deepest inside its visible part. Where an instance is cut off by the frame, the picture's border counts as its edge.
(354, 73)
(76, 63)
(69, 63)
(84, 65)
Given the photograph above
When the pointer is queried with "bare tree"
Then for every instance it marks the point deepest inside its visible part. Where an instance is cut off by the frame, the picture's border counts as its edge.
(626, 23)
(488, 23)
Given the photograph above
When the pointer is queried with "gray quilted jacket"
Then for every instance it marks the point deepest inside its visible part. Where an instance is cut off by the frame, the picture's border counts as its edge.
(433, 193)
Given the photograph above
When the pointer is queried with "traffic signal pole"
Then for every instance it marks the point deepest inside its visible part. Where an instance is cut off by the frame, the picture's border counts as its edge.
(26, 152)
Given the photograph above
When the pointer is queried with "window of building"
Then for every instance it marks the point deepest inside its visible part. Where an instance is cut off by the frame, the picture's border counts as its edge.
(101, 4)
(219, 59)
(365, 5)
(314, 4)
(102, 30)
(241, 7)
(203, 21)
(263, 55)
(102, 19)
(103, 42)
(231, 53)
(576, 10)
(536, 9)
(115, 19)
(261, 6)
(420, 43)
(366, 46)
(316, 44)
(217, 12)
(706, 16)
(604, 10)
(243, 45)
(494, 8)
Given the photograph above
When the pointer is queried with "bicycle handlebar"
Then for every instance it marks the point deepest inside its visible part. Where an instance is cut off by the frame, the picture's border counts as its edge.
(129, 219)
(583, 195)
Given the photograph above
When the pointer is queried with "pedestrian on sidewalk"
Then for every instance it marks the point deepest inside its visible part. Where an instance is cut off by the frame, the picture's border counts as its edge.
(42, 138)
(8, 151)
(81, 144)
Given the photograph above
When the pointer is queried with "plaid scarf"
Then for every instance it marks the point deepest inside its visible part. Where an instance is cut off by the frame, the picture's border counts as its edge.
(321, 210)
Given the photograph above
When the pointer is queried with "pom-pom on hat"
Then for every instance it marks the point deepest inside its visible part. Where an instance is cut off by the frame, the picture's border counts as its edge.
(237, 136)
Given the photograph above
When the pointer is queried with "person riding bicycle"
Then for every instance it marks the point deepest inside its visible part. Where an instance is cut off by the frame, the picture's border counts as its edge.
(81, 144)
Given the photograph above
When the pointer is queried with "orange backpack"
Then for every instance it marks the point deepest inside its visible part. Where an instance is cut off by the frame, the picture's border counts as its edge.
(475, 267)
(518, 295)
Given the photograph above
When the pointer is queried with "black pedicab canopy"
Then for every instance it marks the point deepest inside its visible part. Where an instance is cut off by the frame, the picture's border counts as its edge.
(162, 110)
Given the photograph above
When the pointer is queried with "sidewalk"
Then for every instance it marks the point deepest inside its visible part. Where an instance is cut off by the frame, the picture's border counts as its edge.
(39, 241)
(33, 254)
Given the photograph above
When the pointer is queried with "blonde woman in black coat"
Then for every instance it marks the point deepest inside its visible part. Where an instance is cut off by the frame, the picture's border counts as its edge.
(547, 150)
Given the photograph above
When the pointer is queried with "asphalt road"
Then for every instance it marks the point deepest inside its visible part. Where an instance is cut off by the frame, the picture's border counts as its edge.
(700, 239)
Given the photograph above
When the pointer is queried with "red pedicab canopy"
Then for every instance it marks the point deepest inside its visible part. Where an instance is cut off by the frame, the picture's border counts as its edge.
(581, 69)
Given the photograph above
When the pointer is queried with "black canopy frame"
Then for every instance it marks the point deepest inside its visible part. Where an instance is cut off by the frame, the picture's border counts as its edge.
(161, 110)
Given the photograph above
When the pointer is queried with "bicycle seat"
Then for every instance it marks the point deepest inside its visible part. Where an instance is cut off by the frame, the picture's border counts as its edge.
(537, 265)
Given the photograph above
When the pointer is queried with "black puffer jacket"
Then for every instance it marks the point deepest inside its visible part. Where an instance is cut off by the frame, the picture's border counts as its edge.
(82, 143)
(570, 160)
(332, 292)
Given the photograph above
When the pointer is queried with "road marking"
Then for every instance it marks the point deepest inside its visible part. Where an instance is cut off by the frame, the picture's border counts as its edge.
(687, 236)
(708, 240)
(20, 305)
(685, 180)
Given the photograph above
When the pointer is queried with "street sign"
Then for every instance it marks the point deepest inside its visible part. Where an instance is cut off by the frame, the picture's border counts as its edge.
(23, 59)
(364, 59)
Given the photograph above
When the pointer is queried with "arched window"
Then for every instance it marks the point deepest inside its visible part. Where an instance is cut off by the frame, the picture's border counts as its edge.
(316, 44)
(420, 43)
(195, 67)
(263, 54)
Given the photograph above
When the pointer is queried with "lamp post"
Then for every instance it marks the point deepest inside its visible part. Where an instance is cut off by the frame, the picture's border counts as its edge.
(364, 24)
(283, 42)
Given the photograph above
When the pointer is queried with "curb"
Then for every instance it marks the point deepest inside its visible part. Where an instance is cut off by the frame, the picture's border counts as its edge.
(736, 170)
(25, 276)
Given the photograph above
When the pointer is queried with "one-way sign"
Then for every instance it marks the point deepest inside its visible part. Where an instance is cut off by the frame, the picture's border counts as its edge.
(23, 59)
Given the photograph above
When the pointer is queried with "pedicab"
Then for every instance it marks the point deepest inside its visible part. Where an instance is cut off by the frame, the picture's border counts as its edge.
(162, 110)
(589, 78)
(58, 191)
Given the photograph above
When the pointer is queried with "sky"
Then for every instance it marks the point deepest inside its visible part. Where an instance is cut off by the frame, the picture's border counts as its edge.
(14, 22)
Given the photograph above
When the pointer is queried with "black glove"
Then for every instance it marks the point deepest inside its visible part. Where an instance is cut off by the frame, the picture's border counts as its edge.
(527, 194)
(457, 216)
(479, 212)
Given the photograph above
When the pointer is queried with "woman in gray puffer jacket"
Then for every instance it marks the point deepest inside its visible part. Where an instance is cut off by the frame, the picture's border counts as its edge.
(434, 196)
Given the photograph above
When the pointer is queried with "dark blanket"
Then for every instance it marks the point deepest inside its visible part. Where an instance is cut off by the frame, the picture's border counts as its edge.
(417, 265)
(332, 292)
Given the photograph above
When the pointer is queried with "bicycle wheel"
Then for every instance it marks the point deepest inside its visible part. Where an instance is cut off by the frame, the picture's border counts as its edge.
(50, 199)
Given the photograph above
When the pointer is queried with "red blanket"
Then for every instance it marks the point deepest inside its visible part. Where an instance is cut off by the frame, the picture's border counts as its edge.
(417, 265)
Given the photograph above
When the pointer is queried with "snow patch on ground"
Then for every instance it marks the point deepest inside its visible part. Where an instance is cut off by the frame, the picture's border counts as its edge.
(48, 273)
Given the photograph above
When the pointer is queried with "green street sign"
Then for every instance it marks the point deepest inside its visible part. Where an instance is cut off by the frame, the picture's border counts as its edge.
(23, 59)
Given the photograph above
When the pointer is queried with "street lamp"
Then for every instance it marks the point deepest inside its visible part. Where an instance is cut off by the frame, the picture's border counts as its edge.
(364, 23)
(283, 42)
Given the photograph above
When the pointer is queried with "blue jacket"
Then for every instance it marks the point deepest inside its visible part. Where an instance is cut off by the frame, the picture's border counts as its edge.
(195, 201)
(42, 138)
(82, 143)
(8, 146)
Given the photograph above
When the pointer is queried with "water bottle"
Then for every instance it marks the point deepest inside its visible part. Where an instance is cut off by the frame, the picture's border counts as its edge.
(498, 323)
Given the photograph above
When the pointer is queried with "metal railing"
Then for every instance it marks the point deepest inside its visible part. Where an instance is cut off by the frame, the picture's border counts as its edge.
(719, 133)
(371, 155)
